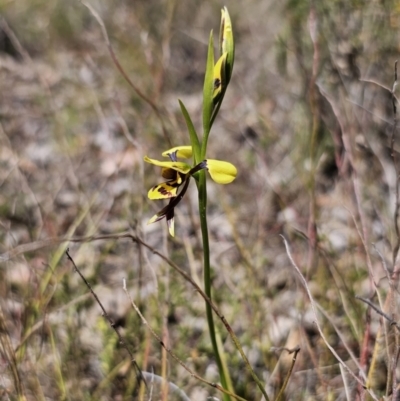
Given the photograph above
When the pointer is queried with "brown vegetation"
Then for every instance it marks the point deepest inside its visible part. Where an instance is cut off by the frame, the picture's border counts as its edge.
(308, 120)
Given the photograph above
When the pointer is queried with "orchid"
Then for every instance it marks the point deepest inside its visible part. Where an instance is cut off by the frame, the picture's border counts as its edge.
(178, 174)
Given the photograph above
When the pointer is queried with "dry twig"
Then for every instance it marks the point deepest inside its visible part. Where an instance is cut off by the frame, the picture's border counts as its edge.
(122, 342)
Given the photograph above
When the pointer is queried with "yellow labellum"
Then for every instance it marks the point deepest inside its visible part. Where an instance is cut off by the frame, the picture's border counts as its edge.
(164, 190)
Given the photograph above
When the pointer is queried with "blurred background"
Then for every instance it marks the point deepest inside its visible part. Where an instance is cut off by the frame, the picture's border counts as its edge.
(307, 119)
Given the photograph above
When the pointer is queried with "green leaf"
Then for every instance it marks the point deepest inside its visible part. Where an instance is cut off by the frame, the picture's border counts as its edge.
(208, 91)
(194, 139)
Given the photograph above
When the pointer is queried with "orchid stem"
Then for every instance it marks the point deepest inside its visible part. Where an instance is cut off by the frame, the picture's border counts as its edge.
(207, 278)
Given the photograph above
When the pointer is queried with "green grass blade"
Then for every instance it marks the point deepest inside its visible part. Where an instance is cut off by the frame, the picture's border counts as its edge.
(208, 91)
(194, 139)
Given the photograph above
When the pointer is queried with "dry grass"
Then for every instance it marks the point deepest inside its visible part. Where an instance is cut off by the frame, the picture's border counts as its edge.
(308, 120)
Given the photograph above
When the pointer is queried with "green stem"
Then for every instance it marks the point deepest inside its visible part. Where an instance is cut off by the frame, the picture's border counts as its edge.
(207, 278)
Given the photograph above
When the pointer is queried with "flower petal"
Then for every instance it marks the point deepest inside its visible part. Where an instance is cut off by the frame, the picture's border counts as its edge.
(167, 212)
(171, 222)
(172, 175)
(155, 218)
(219, 77)
(221, 172)
(177, 166)
(164, 190)
(169, 173)
(181, 151)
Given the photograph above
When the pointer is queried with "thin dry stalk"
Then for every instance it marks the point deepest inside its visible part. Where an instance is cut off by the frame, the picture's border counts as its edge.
(342, 339)
(395, 386)
(294, 351)
(364, 353)
(145, 364)
(8, 353)
(165, 340)
(314, 106)
(152, 378)
(385, 267)
(345, 382)
(391, 321)
(122, 342)
(393, 155)
(312, 352)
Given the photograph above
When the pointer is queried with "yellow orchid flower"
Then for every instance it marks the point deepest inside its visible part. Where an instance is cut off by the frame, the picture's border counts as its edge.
(178, 175)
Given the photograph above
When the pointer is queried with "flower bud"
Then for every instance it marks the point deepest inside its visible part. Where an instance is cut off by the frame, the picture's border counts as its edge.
(227, 43)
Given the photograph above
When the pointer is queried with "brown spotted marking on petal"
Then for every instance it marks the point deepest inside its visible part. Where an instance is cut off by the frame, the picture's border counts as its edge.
(165, 192)
(217, 83)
